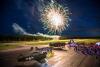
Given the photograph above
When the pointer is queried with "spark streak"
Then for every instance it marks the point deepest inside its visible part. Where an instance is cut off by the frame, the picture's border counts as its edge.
(55, 17)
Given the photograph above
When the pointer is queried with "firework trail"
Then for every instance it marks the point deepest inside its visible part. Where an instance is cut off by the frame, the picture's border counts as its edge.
(54, 17)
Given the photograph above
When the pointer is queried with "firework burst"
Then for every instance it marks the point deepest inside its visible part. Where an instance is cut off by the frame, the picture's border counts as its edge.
(55, 17)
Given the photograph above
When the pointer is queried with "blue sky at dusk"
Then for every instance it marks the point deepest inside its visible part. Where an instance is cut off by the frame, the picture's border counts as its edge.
(85, 17)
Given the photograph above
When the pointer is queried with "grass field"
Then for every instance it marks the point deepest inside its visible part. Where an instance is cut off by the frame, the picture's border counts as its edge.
(4, 46)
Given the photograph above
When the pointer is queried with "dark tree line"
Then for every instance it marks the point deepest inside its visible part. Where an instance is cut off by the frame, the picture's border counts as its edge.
(78, 37)
(22, 38)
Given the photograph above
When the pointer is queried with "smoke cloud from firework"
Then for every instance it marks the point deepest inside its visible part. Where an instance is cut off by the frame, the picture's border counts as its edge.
(53, 16)
(18, 29)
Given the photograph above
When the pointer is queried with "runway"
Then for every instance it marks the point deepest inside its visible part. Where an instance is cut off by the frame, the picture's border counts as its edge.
(61, 58)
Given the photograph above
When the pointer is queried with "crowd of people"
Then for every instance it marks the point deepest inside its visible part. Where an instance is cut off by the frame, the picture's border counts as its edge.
(94, 49)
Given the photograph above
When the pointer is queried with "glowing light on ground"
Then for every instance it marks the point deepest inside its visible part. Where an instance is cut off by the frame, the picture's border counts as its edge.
(55, 17)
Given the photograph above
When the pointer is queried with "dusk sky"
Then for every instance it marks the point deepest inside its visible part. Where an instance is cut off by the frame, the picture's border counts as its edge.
(85, 17)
